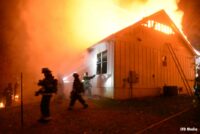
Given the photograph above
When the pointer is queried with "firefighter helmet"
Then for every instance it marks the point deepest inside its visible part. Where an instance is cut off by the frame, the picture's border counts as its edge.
(45, 70)
(75, 75)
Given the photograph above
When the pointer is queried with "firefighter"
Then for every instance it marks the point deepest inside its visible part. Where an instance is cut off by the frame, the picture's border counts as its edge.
(76, 92)
(48, 87)
(8, 92)
(197, 85)
(87, 84)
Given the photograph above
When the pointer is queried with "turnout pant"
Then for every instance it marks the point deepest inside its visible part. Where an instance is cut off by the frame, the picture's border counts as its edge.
(75, 97)
(45, 105)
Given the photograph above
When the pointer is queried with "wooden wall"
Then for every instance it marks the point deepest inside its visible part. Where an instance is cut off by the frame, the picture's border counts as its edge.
(142, 50)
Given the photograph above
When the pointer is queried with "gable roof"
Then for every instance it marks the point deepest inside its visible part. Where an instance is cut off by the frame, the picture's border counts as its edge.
(162, 17)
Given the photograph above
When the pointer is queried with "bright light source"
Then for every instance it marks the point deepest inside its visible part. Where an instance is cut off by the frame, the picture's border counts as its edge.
(16, 97)
(2, 105)
(65, 80)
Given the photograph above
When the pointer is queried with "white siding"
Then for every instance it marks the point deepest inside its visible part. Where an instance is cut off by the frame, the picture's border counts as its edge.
(102, 84)
(145, 58)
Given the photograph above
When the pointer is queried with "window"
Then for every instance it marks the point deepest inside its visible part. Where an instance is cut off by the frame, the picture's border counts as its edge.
(102, 62)
(99, 63)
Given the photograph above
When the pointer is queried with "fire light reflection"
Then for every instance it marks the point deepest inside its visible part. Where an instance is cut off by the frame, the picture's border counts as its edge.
(16, 97)
(2, 105)
(65, 80)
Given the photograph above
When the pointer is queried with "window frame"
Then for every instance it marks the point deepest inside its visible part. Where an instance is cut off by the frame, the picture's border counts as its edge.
(102, 62)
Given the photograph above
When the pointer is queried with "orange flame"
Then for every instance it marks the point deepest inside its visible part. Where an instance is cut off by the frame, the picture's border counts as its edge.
(94, 20)
(86, 22)
(61, 29)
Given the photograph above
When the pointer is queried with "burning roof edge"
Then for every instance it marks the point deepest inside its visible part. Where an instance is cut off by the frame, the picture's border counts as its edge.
(197, 52)
(172, 25)
(180, 33)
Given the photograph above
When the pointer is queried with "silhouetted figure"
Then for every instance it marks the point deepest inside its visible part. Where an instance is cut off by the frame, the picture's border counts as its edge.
(197, 85)
(77, 89)
(48, 87)
(8, 92)
(87, 84)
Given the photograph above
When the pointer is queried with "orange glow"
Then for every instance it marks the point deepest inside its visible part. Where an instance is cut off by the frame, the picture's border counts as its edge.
(111, 17)
(2, 105)
(16, 98)
(85, 22)
(59, 30)
(104, 17)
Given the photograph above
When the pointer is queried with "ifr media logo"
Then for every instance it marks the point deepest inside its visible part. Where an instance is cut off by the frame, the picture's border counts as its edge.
(188, 129)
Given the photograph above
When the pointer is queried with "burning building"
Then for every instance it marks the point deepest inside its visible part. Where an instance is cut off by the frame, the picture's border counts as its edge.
(141, 59)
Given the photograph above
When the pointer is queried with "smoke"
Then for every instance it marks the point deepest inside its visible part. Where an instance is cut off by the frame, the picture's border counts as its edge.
(32, 38)
(51, 41)
(13, 41)
(191, 21)
(53, 34)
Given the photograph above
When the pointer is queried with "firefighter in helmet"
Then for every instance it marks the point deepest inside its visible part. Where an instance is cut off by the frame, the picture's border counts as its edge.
(48, 86)
(76, 92)
(87, 84)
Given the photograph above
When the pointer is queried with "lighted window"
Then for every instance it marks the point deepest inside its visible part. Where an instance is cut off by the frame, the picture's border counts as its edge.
(159, 27)
(150, 23)
(102, 62)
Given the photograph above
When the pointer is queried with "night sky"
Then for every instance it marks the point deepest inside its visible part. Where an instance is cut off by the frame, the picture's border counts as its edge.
(14, 37)
(191, 21)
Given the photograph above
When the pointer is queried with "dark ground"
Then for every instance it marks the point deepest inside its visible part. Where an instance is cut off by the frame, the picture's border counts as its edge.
(106, 116)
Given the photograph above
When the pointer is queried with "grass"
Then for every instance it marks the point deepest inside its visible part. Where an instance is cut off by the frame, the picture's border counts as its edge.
(161, 105)
(103, 116)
